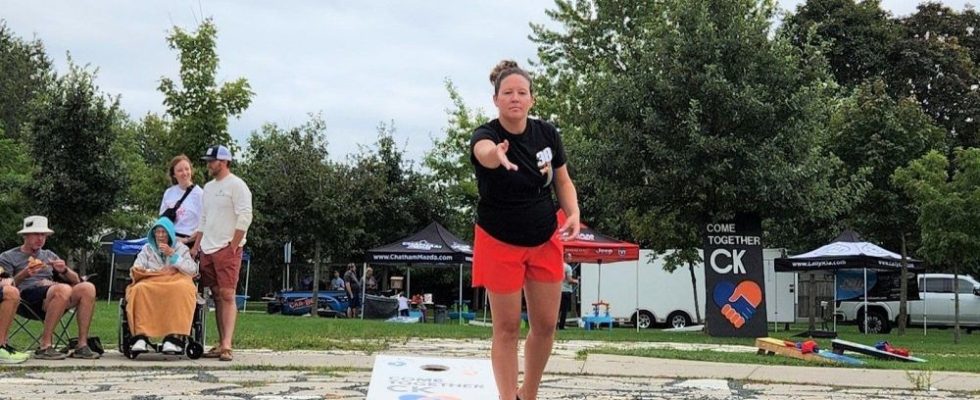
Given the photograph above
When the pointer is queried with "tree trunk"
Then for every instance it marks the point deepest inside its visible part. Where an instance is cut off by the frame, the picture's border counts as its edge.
(694, 286)
(903, 296)
(956, 304)
(314, 308)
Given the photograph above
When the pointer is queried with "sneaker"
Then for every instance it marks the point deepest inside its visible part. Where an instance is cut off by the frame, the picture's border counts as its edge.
(139, 346)
(170, 348)
(86, 353)
(8, 357)
(49, 353)
(19, 354)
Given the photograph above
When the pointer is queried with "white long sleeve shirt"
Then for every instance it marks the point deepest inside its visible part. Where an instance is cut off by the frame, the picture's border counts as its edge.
(227, 207)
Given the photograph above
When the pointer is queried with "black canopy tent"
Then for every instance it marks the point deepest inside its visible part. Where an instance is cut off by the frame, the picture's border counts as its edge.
(433, 246)
(847, 251)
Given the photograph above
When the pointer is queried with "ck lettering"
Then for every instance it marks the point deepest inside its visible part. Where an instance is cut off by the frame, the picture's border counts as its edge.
(724, 261)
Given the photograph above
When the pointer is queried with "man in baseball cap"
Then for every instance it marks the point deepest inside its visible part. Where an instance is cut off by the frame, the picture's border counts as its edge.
(220, 239)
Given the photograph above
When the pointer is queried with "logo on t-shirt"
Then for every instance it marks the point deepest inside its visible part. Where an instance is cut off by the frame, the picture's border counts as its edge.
(544, 164)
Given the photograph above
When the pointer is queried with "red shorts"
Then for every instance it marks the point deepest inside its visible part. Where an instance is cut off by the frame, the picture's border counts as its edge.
(221, 268)
(503, 268)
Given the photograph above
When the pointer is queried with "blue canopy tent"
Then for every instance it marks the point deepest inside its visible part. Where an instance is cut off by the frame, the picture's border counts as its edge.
(132, 247)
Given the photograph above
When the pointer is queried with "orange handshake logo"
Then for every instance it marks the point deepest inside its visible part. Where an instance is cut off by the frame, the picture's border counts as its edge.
(737, 303)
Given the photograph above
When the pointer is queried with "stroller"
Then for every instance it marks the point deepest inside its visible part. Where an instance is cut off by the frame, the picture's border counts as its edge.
(192, 344)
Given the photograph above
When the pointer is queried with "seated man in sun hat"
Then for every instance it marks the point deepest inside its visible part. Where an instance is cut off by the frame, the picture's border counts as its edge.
(49, 287)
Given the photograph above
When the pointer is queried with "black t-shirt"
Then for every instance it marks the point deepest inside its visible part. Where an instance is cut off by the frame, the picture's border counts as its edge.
(516, 207)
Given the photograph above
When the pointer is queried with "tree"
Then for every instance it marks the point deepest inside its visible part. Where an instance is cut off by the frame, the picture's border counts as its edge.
(199, 106)
(873, 132)
(860, 36)
(389, 198)
(26, 71)
(15, 175)
(933, 68)
(298, 194)
(77, 182)
(139, 201)
(689, 111)
(451, 173)
(949, 210)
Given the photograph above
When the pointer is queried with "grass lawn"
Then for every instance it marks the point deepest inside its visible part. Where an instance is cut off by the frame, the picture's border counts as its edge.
(256, 329)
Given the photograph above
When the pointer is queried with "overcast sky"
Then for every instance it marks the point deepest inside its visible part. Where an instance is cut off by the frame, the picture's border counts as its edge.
(359, 62)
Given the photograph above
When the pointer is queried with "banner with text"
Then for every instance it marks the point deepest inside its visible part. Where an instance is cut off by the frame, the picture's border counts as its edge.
(735, 277)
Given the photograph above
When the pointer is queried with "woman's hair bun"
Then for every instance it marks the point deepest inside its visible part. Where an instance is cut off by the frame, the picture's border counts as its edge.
(502, 66)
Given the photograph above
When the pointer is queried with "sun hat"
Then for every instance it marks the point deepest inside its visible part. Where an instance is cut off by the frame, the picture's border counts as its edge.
(35, 224)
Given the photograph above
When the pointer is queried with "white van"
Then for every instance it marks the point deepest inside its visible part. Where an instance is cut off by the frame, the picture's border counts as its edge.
(657, 297)
(935, 309)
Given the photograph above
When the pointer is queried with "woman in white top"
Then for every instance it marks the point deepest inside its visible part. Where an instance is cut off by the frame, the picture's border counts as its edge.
(187, 213)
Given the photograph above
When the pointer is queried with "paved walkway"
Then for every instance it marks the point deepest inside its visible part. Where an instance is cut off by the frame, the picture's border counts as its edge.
(261, 375)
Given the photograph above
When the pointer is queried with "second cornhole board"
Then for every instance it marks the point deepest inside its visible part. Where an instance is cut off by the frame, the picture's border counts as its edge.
(778, 346)
(426, 378)
(841, 345)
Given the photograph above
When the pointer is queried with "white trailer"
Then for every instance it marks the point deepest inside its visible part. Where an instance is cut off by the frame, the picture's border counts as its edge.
(655, 296)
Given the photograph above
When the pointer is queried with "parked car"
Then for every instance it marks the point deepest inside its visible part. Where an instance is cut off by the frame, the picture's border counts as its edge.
(934, 309)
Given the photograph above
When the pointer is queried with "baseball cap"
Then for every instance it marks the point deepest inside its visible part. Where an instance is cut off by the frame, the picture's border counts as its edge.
(217, 152)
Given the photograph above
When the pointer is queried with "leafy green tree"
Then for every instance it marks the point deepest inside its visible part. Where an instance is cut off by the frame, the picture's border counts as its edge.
(873, 132)
(860, 35)
(26, 71)
(933, 20)
(298, 195)
(198, 105)
(77, 182)
(689, 111)
(390, 199)
(15, 175)
(451, 172)
(947, 193)
(681, 112)
(139, 201)
(932, 66)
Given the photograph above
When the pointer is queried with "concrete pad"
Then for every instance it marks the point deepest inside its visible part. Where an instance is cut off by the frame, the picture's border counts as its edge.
(707, 384)
(605, 364)
(851, 377)
(258, 376)
(956, 381)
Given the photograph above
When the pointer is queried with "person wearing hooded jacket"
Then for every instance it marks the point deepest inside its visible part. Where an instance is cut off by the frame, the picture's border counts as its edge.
(161, 299)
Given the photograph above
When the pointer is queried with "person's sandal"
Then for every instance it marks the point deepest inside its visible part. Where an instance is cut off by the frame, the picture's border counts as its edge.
(215, 352)
(225, 355)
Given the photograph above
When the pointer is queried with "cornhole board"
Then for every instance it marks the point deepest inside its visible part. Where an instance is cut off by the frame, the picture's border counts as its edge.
(770, 345)
(841, 345)
(426, 378)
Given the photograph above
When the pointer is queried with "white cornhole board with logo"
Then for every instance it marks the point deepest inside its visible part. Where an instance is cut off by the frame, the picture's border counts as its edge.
(424, 378)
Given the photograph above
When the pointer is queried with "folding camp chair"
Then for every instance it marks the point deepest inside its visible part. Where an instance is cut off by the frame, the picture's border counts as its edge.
(26, 318)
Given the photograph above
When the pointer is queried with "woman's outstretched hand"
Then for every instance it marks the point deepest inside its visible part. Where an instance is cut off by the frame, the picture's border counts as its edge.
(502, 148)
